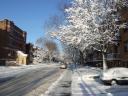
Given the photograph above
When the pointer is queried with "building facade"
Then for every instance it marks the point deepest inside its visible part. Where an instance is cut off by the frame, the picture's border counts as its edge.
(12, 39)
(29, 51)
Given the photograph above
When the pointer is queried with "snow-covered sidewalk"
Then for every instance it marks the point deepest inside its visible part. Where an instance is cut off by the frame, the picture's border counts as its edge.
(79, 77)
(84, 84)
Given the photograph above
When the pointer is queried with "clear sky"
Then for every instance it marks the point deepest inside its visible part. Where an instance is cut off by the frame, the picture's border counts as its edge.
(29, 15)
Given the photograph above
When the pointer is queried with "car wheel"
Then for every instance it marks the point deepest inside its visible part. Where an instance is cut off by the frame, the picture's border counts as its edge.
(113, 82)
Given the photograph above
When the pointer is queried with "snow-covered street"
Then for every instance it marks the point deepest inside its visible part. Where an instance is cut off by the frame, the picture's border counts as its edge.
(29, 80)
(83, 84)
(84, 81)
(8, 71)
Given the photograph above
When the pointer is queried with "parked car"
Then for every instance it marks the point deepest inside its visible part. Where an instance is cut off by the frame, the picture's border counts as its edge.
(115, 75)
(63, 66)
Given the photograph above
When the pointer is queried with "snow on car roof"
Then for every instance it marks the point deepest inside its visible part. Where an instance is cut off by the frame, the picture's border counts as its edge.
(117, 68)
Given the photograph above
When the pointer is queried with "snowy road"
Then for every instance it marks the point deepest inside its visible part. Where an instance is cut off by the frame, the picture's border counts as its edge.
(63, 86)
(23, 83)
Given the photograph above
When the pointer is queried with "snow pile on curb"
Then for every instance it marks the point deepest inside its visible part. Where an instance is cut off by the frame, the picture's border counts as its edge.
(90, 76)
(53, 85)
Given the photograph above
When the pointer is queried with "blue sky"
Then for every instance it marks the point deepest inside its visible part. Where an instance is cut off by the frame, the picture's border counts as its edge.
(29, 15)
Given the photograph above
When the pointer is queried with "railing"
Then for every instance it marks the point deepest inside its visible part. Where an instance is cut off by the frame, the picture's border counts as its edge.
(113, 56)
(110, 56)
(118, 38)
(97, 59)
(94, 59)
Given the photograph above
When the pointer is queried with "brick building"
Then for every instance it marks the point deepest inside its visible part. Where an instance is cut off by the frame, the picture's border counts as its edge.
(118, 54)
(12, 39)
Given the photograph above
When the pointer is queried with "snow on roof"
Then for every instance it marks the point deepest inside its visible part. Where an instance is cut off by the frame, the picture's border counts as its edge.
(21, 53)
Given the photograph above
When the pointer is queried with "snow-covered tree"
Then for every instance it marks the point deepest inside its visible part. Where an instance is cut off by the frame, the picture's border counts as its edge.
(122, 3)
(40, 55)
(71, 54)
(90, 23)
(48, 46)
(52, 48)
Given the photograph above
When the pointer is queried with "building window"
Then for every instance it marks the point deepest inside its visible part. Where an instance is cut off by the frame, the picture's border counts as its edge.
(126, 30)
(126, 46)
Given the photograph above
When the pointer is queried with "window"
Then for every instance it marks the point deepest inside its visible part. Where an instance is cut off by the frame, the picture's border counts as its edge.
(126, 46)
(125, 30)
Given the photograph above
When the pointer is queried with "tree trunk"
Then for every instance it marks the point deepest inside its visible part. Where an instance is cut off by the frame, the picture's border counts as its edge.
(50, 56)
(104, 61)
(81, 58)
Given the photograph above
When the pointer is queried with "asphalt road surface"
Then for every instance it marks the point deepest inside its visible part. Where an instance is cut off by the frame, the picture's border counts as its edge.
(63, 88)
(23, 83)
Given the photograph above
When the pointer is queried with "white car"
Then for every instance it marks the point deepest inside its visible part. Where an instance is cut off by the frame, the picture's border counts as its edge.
(63, 66)
(115, 75)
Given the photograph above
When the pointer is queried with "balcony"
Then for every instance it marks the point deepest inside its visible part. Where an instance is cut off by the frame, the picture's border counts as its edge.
(94, 59)
(97, 59)
(117, 38)
(113, 56)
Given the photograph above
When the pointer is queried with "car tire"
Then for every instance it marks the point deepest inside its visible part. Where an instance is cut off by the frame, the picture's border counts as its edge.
(113, 82)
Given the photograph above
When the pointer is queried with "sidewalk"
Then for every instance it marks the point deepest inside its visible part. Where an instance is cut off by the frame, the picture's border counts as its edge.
(84, 84)
(79, 79)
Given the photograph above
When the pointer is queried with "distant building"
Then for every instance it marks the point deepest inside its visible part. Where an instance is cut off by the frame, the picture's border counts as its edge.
(12, 39)
(29, 51)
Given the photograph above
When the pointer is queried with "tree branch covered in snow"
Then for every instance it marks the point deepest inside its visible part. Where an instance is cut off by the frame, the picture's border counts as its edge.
(71, 54)
(47, 50)
(90, 23)
(40, 55)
